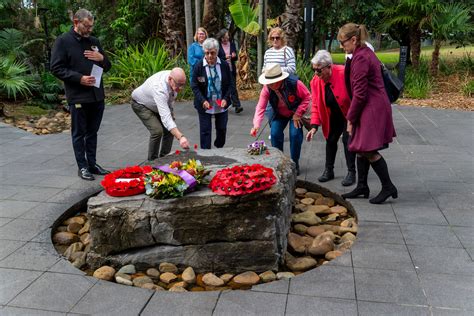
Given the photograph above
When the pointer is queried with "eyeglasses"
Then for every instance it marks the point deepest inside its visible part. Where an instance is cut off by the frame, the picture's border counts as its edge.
(320, 70)
(345, 41)
(275, 38)
(177, 84)
(212, 52)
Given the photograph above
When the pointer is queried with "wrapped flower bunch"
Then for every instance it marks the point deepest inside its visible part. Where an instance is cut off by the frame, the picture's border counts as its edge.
(126, 182)
(257, 147)
(242, 179)
(171, 181)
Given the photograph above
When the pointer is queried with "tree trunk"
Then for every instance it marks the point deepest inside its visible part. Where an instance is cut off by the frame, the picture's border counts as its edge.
(209, 17)
(173, 26)
(415, 46)
(292, 21)
(188, 16)
(435, 58)
(244, 76)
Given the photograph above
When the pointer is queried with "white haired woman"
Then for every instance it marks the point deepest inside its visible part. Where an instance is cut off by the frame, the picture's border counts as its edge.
(210, 83)
(329, 109)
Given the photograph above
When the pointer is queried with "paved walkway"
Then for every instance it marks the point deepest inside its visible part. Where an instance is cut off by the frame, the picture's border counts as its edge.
(413, 256)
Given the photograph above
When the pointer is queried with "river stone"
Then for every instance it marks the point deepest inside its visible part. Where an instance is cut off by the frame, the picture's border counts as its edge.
(75, 255)
(177, 289)
(138, 282)
(75, 247)
(65, 238)
(301, 263)
(168, 277)
(267, 276)
(322, 243)
(226, 277)
(122, 280)
(319, 209)
(300, 207)
(104, 273)
(345, 245)
(313, 195)
(331, 255)
(151, 286)
(212, 280)
(300, 229)
(339, 209)
(325, 201)
(85, 228)
(86, 238)
(246, 278)
(123, 276)
(348, 222)
(128, 269)
(347, 237)
(315, 230)
(153, 273)
(80, 261)
(145, 232)
(307, 201)
(284, 275)
(74, 227)
(300, 192)
(76, 219)
(331, 217)
(307, 218)
(296, 243)
(189, 276)
(168, 267)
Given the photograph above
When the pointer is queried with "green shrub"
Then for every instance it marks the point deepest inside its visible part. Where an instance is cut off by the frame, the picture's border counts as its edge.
(468, 88)
(186, 93)
(15, 79)
(418, 84)
(304, 70)
(133, 65)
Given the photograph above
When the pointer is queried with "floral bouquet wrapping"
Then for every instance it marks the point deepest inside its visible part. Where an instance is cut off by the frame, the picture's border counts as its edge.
(171, 181)
(257, 147)
(125, 182)
(244, 179)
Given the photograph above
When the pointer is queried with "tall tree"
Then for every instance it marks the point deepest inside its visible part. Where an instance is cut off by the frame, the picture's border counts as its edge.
(173, 25)
(292, 21)
(210, 17)
(188, 16)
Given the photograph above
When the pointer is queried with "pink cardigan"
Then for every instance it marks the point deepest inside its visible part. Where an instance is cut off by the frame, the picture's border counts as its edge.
(320, 113)
(283, 110)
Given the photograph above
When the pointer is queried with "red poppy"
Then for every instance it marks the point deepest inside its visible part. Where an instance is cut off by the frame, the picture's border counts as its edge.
(132, 186)
(291, 98)
(177, 152)
(267, 152)
(195, 146)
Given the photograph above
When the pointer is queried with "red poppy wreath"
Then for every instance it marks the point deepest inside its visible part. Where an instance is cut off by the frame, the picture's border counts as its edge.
(244, 179)
(126, 182)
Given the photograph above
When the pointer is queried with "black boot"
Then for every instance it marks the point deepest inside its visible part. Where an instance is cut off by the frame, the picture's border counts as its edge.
(362, 187)
(349, 179)
(327, 175)
(350, 161)
(388, 189)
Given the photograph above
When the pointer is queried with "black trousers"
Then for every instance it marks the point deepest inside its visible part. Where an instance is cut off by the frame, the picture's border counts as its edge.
(205, 129)
(85, 123)
(338, 127)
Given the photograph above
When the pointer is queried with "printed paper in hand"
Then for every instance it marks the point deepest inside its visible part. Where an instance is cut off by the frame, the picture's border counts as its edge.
(97, 74)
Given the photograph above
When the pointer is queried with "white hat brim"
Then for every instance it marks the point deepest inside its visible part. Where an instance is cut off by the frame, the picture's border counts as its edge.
(263, 80)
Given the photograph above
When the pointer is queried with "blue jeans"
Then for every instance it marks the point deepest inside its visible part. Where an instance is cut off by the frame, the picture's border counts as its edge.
(278, 137)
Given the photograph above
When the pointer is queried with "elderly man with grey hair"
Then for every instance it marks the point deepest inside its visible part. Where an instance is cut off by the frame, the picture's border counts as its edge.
(329, 109)
(210, 83)
(74, 57)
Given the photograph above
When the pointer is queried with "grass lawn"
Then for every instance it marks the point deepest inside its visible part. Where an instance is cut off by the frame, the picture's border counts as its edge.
(392, 56)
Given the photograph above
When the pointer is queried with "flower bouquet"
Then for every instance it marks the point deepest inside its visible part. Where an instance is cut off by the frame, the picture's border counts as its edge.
(171, 181)
(125, 182)
(257, 147)
(244, 179)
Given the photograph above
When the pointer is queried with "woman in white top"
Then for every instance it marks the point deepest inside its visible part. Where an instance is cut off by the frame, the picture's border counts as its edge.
(280, 54)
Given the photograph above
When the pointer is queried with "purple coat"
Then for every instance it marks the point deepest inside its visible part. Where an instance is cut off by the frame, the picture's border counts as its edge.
(370, 111)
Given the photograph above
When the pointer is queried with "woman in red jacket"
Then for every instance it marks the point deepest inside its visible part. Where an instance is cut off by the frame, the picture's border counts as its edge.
(370, 122)
(329, 109)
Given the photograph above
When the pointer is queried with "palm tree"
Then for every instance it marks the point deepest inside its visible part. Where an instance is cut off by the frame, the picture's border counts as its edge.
(210, 17)
(188, 16)
(292, 21)
(173, 24)
(448, 20)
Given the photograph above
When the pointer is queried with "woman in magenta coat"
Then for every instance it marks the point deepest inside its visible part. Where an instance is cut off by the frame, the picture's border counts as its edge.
(369, 117)
(330, 103)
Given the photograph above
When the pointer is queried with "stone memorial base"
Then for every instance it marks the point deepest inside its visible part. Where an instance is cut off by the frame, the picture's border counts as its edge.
(206, 231)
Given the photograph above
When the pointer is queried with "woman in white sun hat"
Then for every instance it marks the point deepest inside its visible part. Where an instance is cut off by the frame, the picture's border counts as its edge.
(289, 99)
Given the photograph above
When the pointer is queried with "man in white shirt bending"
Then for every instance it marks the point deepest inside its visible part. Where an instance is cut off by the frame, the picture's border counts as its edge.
(153, 103)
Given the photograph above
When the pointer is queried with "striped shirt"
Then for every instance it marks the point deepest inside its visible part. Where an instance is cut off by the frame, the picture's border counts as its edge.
(283, 56)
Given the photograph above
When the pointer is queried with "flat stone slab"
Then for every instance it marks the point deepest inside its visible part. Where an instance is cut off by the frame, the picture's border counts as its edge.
(204, 230)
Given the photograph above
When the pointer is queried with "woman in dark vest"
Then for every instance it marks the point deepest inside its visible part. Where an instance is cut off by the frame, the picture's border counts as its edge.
(289, 99)
(370, 122)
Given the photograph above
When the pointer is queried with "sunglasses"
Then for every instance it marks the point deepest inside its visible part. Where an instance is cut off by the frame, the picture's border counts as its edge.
(275, 38)
(320, 70)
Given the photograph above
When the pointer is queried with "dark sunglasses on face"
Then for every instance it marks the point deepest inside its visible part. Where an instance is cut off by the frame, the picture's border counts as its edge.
(320, 70)
(275, 38)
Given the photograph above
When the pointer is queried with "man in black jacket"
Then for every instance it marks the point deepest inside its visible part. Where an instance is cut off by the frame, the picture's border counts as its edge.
(74, 55)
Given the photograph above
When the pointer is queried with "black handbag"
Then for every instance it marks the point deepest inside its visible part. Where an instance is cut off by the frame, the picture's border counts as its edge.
(393, 85)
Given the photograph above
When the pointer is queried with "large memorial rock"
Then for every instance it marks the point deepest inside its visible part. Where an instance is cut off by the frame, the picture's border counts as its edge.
(206, 231)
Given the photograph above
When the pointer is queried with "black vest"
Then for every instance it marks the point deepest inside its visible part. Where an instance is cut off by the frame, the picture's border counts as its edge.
(289, 92)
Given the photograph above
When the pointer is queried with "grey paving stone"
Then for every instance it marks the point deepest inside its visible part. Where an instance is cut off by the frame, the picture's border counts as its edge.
(44, 236)
(459, 217)
(120, 300)
(381, 256)
(447, 290)
(401, 287)
(345, 260)
(450, 312)
(9, 246)
(5, 220)
(7, 192)
(45, 210)
(426, 215)
(23, 229)
(13, 311)
(250, 303)
(442, 260)
(193, 303)
(280, 286)
(441, 187)
(9, 208)
(441, 236)
(58, 181)
(373, 213)
(13, 281)
(376, 309)
(305, 305)
(32, 256)
(54, 291)
(39, 194)
(387, 233)
(325, 281)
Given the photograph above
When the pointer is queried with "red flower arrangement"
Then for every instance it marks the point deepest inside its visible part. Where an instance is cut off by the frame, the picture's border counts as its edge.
(126, 182)
(240, 180)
